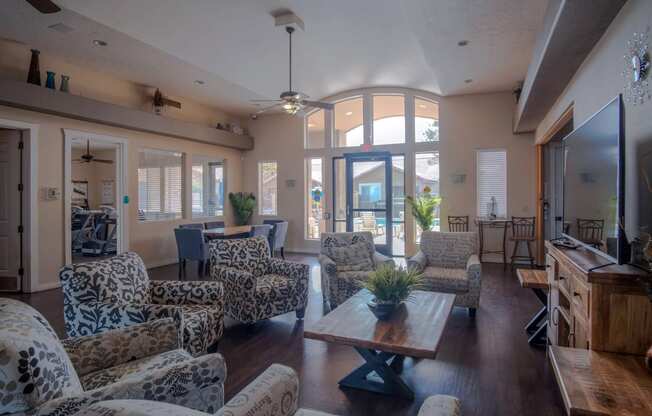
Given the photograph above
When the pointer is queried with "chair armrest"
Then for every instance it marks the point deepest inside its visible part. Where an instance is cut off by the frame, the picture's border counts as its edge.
(418, 262)
(172, 292)
(380, 259)
(117, 346)
(276, 388)
(441, 405)
(290, 269)
(91, 318)
(236, 282)
(473, 268)
(197, 383)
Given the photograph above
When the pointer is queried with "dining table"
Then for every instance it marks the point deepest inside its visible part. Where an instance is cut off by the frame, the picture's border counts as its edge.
(240, 231)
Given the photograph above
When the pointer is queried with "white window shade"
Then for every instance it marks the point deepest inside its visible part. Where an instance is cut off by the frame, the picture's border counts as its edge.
(267, 188)
(160, 185)
(492, 181)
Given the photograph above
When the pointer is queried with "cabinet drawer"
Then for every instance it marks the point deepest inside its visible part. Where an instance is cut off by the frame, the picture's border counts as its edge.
(580, 295)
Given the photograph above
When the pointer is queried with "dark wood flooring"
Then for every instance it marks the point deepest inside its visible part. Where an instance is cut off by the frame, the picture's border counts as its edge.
(485, 362)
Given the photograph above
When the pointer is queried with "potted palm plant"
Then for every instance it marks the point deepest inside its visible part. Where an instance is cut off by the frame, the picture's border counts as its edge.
(423, 208)
(243, 204)
(390, 287)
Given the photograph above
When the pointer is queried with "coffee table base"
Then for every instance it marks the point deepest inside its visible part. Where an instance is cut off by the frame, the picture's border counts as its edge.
(377, 376)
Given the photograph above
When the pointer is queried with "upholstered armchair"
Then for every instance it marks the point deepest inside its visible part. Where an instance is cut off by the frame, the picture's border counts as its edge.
(108, 294)
(42, 375)
(346, 261)
(256, 285)
(273, 393)
(450, 264)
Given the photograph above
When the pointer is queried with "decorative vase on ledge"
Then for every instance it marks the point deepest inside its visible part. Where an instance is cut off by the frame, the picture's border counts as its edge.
(65, 83)
(49, 81)
(34, 74)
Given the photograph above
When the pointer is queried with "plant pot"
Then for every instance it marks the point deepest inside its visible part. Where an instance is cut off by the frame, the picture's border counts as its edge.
(382, 311)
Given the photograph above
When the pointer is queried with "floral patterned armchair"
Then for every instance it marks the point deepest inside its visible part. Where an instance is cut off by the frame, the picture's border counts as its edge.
(273, 393)
(256, 285)
(346, 261)
(114, 293)
(42, 375)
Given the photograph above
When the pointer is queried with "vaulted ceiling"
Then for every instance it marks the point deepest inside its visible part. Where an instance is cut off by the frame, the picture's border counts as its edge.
(234, 47)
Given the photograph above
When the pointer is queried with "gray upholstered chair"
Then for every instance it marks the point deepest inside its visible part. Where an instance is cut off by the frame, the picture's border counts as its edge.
(196, 226)
(114, 293)
(450, 264)
(214, 224)
(256, 285)
(43, 375)
(279, 234)
(346, 261)
(263, 230)
(273, 393)
(191, 246)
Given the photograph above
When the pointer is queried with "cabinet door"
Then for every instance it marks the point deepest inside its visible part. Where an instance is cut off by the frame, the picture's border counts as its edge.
(579, 337)
(553, 301)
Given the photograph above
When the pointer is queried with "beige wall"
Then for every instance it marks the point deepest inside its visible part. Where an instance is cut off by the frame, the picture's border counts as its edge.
(597, 82)
(467, 123)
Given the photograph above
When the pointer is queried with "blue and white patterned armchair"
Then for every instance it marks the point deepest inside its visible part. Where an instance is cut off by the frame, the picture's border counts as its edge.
(108, 294)
(43, 375)
(346, 260)
(450, 264)
(256, 285)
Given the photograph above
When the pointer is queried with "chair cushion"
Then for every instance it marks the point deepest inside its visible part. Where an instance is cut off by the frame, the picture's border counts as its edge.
(34, 366)
(121, 279)
(248, 254)
(355, 257)
(134, 368)
(440, 279)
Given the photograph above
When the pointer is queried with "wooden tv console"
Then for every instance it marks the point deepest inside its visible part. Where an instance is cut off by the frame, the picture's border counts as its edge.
(605, 309)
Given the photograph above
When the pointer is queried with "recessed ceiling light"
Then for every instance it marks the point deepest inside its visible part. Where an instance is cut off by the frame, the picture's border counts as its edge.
(99, 42)
(348, 113)
(468, 81)
(463, 43)
(199, 82)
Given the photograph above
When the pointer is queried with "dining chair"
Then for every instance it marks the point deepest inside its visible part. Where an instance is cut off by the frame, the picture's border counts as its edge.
(214, 224)
(191, 246)
(458, 223)
(279, 235)
(195, 226)
(523, 233)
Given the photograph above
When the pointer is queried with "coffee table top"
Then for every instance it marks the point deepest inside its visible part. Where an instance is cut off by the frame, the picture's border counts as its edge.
(414, 330)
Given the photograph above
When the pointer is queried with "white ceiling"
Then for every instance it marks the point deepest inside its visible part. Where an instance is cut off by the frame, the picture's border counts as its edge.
(235, 48)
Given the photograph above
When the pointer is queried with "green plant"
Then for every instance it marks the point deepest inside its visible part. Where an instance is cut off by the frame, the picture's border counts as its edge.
(423, 208)
(243, 204)
(390, 285)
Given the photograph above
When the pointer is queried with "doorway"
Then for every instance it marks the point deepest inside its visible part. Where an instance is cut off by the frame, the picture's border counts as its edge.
(11, 210)
(553, 184)
(95, 178)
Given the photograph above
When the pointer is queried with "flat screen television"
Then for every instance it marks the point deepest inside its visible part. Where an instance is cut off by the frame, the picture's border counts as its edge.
(594, 183)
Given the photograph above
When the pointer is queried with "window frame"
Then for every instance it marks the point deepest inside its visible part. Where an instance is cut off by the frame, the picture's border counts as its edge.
(414, 120)
(206, 162)
(308, 197)
(372, 136)
(162, 185)
(333, 120)
(260, 189)
(477, 180)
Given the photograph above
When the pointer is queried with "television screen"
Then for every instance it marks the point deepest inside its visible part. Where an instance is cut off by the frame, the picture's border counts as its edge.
(593, 183)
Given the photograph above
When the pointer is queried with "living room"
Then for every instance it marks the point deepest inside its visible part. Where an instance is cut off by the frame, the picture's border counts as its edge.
(240, 205)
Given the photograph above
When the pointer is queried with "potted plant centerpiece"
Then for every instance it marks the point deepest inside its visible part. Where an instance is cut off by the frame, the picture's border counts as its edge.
(423, 208)
(244, 205)
(390, 287)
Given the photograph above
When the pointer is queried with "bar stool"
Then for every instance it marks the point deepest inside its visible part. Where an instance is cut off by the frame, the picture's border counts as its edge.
(523, 232)
(458, 224)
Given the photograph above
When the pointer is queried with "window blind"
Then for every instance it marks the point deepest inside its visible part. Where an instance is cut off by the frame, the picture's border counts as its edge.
(267, 188)
(160, 185)
(492, 181)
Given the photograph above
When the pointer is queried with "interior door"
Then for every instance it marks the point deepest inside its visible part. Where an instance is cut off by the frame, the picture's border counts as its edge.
(369, 196)
(10, 208)
(553, 189)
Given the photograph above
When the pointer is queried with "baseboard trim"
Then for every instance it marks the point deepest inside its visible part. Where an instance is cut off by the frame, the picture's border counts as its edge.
(42, 287)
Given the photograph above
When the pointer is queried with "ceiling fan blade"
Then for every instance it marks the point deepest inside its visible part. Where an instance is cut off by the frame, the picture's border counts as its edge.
(44, 6)
(318, 104)
(103, 161)
(265, 101)
(262, 110)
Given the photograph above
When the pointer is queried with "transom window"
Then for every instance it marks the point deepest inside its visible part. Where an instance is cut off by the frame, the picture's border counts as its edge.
(348, 128)
(389, 119)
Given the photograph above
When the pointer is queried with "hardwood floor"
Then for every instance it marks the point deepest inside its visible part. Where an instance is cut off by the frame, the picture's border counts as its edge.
(485, 362)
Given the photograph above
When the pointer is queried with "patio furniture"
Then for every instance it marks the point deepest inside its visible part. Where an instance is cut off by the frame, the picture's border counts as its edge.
(346, 260)
(43, 375)
(191, 246)
(213, 224)
(590, 231)
(280, 232)
(450, 264)
(523, 232)
(114, 293)
(196, 226)
(458, 223)
(415, 330)
(256, 285)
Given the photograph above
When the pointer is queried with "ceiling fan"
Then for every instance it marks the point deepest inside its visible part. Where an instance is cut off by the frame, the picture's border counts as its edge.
(88, 157)
(44, 6)
(292, 102)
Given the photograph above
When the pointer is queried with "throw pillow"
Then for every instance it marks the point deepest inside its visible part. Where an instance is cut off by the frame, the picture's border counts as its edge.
(352, 258)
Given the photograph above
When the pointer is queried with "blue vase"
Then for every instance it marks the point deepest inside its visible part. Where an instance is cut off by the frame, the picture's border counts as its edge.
(49, 81)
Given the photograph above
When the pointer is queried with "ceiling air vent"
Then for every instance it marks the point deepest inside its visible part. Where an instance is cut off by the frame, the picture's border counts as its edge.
(61, 28)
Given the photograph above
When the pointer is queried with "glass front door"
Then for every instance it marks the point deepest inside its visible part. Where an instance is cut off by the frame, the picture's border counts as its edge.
(368, 198)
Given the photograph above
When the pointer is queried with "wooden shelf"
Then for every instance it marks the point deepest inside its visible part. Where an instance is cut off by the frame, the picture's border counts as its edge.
(32, 97)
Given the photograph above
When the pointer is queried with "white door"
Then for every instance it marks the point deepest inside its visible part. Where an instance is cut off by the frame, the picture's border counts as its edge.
(9, 210)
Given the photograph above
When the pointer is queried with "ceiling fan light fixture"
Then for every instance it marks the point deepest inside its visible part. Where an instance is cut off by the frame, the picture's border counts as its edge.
(291, 108)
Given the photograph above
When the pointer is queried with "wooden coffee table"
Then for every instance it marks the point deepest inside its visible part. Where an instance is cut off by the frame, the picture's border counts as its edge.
(415, 330)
